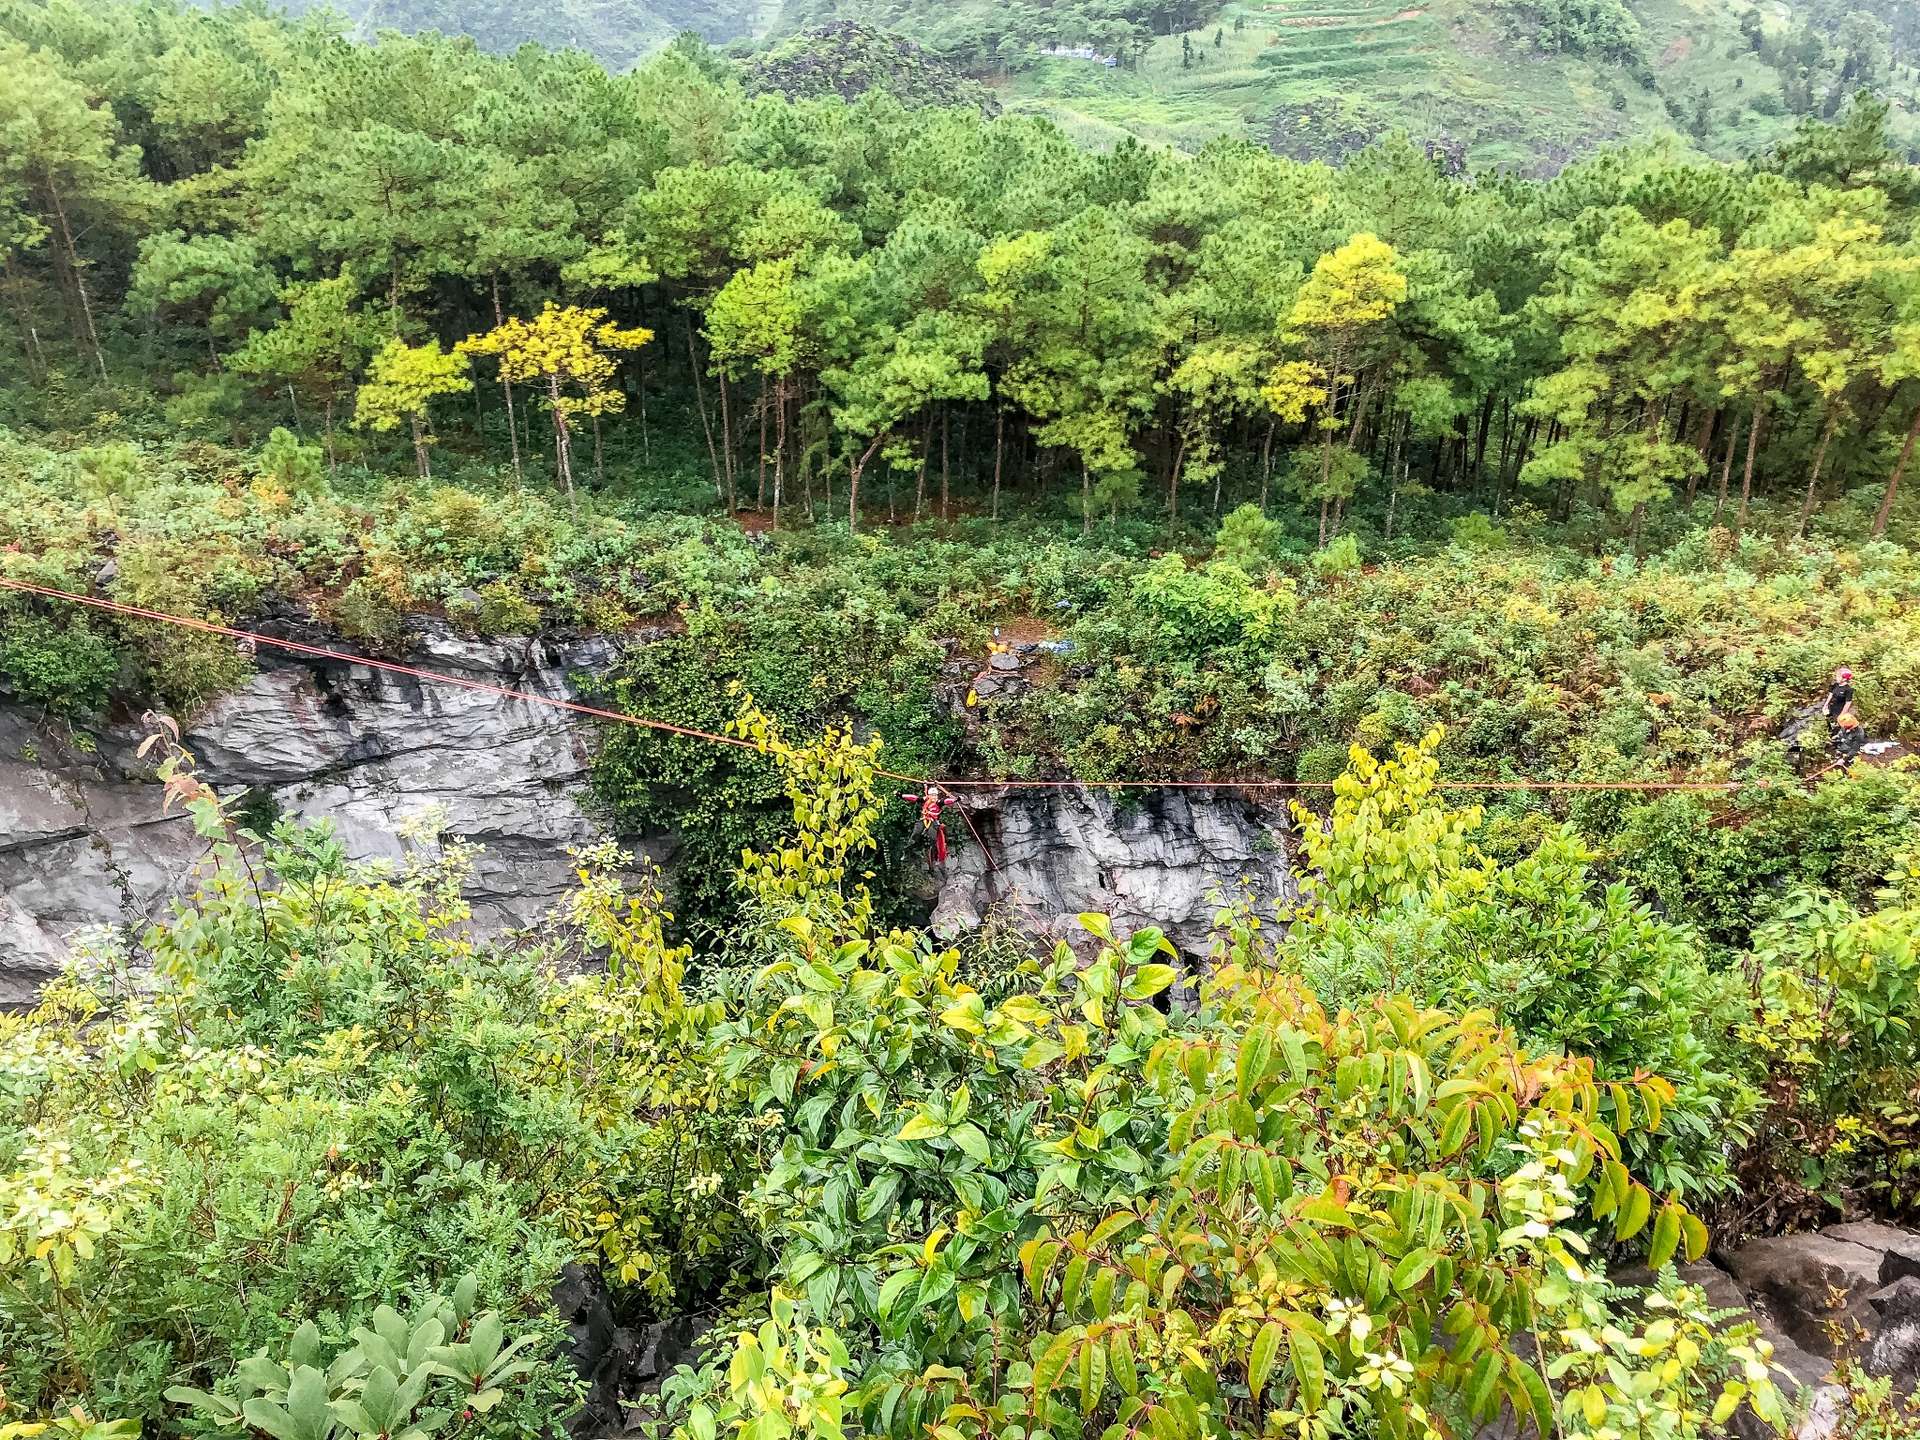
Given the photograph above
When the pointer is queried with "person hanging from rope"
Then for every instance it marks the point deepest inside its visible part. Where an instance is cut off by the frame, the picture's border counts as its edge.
(933, 801)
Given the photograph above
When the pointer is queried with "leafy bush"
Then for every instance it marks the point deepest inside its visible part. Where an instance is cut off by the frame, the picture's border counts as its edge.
(1729, 872)
(1338, 556)
(296, 468)
(1066, 1210)
(1603, 28)
(365, 611)
(66, 667)
(1188, 611)
(1837, 1027)
(1403, 902)
(1062, 1205)
(384, 1384)
(329, 1098)
(1247, 538)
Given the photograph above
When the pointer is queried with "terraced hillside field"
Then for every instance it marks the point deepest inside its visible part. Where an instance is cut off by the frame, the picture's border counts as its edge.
(1322, 77)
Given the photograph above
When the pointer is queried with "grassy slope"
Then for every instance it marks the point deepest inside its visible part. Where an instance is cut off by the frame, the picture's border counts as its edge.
(619, 32)
(1338, 72)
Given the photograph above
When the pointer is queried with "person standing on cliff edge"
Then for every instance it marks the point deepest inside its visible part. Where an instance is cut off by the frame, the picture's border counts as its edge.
(1839, 700)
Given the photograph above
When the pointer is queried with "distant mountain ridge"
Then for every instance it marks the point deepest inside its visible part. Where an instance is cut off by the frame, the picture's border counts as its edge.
(1515, 84)
(617, 32)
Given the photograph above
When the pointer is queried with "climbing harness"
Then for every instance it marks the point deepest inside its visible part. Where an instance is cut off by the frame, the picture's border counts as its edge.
(933, 800)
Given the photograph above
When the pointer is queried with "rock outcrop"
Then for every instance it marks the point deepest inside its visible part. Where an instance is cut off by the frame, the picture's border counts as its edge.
(1164, 859)
(1852, 1289)
(618, 1363)
(83, 840)
(1859, 1277)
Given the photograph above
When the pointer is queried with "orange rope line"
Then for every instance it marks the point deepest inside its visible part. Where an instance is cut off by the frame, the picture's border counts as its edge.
(507, 692)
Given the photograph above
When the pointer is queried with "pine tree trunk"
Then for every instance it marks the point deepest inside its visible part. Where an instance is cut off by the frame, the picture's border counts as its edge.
(1885, 512)
(726, 444)
(999, 446)
(760, 486)
(79, 279)
(420, 446)
(779, 446)
(1480, 445)
(562, 444)
(640, 393)
(1323, 522)
(1173, 479)
(599, 469)
(333, 466)
(1086, 499)
(946, 509)
(1506, 453)
(1813, 480)
(1266, 466)
(1394, 474)
(706, 421)
(506, 386)
(920, 479)
(1746, 477)
(1709, 422)
(1726, 469)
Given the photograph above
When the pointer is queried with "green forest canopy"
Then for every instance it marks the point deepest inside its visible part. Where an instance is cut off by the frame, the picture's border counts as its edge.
(324, 219)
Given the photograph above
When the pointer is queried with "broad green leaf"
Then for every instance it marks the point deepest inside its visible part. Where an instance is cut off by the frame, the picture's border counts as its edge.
(1634, 1211)
(921, 1127)
(1052, 1364)
(1666, 1236)
(1309, 1368)
(1266, 1349)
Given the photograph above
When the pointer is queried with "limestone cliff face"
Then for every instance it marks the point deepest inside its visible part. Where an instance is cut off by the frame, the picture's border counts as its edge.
(83, 840)
(1164, 860)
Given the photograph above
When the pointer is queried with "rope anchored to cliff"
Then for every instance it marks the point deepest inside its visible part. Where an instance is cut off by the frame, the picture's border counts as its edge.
(251, 641)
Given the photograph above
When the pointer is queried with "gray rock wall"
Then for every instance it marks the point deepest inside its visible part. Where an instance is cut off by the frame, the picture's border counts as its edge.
(83, 842)
(1161, 860)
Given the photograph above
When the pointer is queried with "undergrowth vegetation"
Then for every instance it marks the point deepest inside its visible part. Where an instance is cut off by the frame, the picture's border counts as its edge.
(316, 1167)
(1243, 653)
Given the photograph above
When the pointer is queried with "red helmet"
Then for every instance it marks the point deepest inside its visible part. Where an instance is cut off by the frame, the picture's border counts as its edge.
(1843, 673)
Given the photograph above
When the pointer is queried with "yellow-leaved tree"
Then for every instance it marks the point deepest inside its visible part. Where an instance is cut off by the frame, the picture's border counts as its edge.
(1338, 313)
(402, 381)
(570, 351)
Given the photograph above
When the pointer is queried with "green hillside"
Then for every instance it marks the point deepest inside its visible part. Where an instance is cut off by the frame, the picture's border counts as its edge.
(1320, 78)
(617, 32)
(1522, 84)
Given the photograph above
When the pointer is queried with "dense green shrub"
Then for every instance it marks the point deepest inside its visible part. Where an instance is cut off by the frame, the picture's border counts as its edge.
(67, 667)
(1065, 1208)
(1836, 1028)
(329, 1099)
(1404, 902)
(1728, 870)
(1044, 1202)
(1603, 28)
